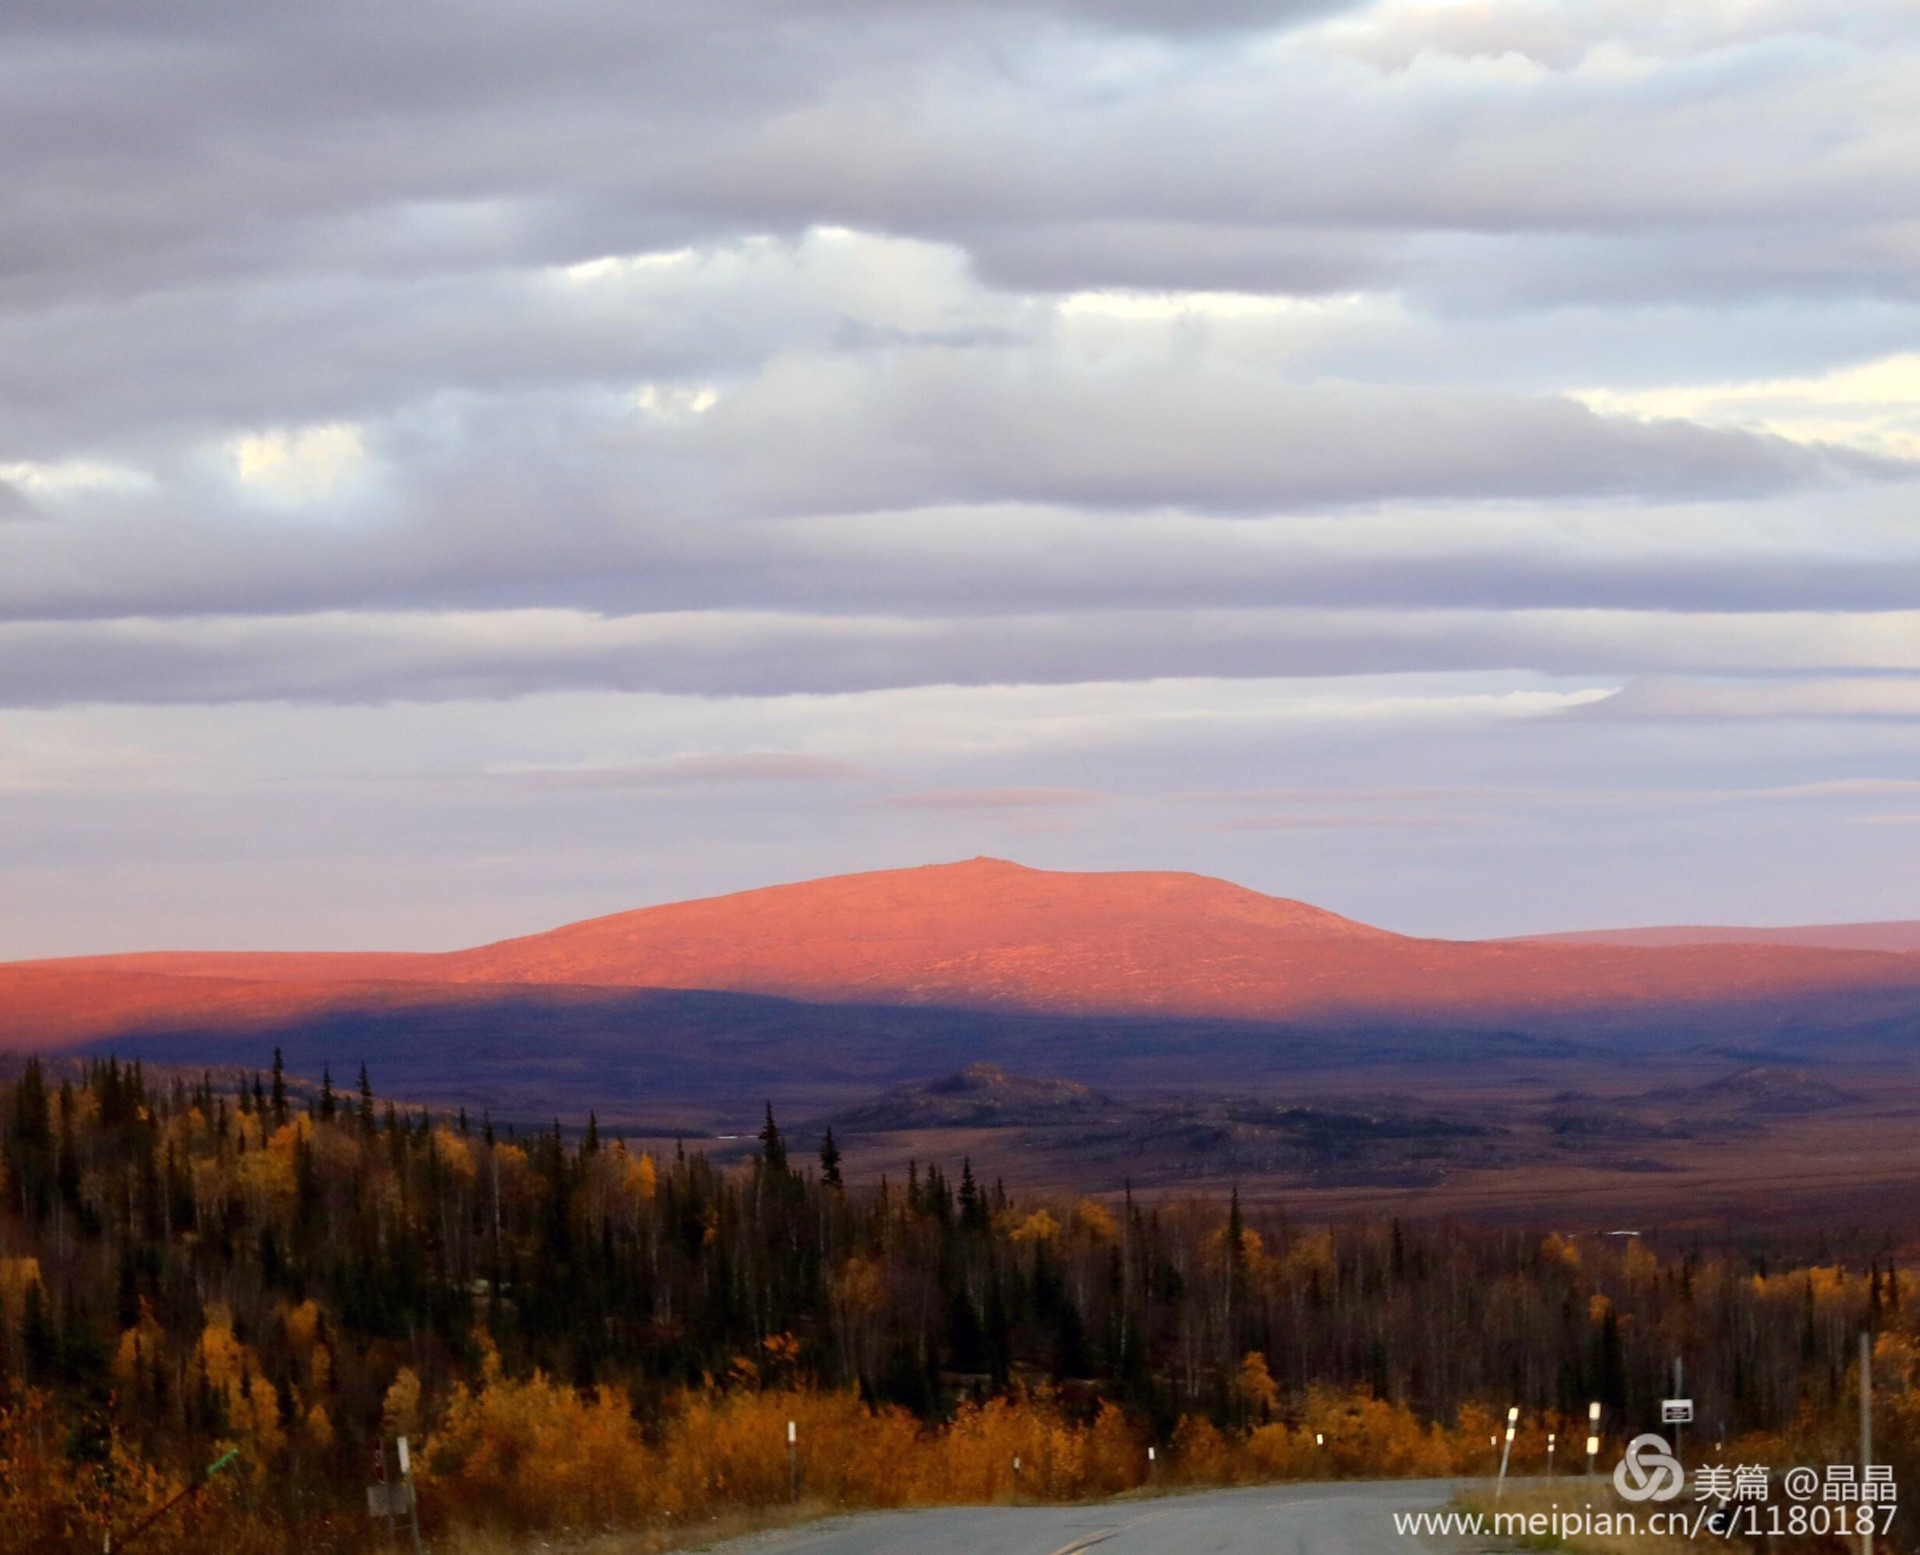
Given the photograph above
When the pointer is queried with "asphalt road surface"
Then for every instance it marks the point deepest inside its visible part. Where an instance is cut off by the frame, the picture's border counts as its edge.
(1342, 1519)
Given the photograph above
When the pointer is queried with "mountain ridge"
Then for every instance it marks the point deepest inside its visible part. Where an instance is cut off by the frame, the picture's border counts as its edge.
(1893, 936)
(982, 934)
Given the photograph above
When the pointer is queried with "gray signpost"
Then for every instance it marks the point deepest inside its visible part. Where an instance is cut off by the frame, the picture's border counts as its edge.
(395, 1499)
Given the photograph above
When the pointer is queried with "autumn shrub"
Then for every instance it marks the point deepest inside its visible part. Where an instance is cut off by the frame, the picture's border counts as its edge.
(532, 1453)
(1116, 1452)
(730, 1449)
(1372, 1437)
(53, 1502)
(1028, 1445)
(1277, 1451)
(1201, 1453)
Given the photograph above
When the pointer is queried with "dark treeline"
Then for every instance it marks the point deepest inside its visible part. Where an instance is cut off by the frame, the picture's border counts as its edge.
(188, 1262)
(410, 1232)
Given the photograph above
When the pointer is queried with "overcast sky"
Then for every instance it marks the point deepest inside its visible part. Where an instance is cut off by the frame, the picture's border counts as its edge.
(471, 465)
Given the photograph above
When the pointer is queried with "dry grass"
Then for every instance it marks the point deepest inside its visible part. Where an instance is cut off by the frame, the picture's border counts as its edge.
(1572, 1494)
(633, 1541)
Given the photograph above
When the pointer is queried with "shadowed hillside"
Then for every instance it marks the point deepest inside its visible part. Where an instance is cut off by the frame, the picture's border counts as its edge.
(1197, 1007)
(981, 935)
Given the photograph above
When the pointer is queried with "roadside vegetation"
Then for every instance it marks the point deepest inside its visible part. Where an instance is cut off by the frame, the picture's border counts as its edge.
(577, 1337)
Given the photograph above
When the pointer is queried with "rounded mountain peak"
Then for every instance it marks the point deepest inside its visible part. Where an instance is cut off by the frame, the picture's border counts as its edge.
(983, 929)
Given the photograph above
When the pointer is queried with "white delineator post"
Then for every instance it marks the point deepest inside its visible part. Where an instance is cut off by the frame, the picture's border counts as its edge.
(413, 1498)
(793, 1463)
(1506, 1452)
(1593, 1432)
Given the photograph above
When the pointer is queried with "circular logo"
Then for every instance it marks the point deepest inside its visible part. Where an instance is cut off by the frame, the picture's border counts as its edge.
(1649, 1471)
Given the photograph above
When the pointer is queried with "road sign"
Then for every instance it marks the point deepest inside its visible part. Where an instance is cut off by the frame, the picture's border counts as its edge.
(1676, 1411)
(389, 1500)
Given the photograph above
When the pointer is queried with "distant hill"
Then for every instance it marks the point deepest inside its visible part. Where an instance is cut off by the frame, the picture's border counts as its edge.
(984, 934)
(1896, 937)
(834, 987)
(979, 1096)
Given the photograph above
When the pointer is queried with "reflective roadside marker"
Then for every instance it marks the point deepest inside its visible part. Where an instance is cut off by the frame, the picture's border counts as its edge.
(1149, 1455)
(1319, 1440)
(406, 1463)
(1593, 1445)
(792, 1434)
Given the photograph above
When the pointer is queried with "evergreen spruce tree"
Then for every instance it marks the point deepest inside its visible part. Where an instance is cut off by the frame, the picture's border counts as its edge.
(773, 1147)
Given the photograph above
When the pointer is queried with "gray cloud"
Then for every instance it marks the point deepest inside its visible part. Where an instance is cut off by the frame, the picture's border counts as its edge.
(930, 427)
(1895, 697)
(365, 658)
(794, 436)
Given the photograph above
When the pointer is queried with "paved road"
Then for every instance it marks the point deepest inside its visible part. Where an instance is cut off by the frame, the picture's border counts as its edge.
(1342, 1519)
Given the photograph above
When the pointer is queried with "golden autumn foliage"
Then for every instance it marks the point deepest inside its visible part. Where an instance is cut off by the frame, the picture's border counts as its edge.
(533, 1453)
(400, 1411)
(1035, 1228)
(251, 1401)
(139, 1346)
(1562, 1250)
(582, 1337)
(1332, 1434)
(1255, 1388)
(17, 1277)
(51, 1505)
(1094, 1220)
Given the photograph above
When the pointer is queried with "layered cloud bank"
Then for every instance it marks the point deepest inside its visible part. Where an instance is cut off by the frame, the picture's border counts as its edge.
(1455, 462)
